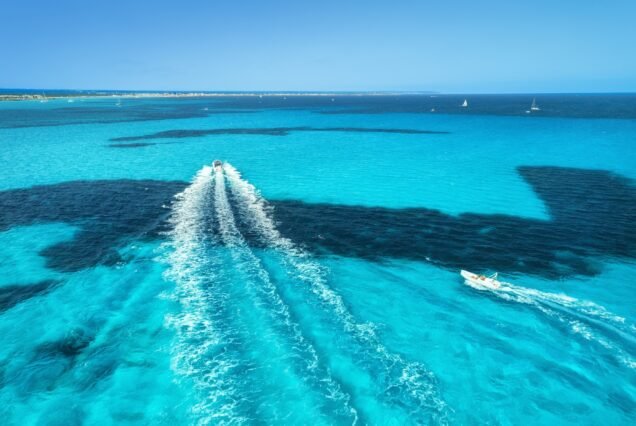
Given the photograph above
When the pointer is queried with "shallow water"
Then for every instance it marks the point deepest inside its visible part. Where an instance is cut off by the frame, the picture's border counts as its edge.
(316, 278)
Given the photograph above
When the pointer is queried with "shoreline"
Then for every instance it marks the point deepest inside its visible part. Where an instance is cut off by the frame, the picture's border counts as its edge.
(17, 96)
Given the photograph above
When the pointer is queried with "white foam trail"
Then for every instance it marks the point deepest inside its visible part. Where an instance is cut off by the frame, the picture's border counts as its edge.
(582, 306)
(246, 259)
(193, 353)
(414, 378)
(573, 312)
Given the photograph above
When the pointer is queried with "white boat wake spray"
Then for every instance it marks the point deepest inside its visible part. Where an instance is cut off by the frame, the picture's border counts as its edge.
(581, 316)
(204, 347)
(415, 379)
(244, 258)
(195, 353)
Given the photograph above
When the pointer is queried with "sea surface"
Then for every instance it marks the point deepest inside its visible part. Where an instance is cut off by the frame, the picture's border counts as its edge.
(314, 278)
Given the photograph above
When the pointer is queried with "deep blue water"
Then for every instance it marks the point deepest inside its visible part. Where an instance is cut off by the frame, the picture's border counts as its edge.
(315, 278)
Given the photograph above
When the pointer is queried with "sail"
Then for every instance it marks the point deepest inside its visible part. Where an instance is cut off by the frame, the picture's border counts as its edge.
(534, 106)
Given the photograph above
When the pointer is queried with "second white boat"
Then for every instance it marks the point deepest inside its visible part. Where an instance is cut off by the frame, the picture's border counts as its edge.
(481, 282)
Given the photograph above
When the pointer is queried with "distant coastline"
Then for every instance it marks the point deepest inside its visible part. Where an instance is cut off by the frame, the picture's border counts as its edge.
(43, 95)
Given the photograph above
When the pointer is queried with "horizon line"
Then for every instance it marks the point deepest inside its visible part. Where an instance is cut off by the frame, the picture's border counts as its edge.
(17, 90)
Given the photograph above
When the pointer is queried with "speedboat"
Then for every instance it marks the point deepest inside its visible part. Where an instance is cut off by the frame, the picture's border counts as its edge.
(481, 282)
(218, 165)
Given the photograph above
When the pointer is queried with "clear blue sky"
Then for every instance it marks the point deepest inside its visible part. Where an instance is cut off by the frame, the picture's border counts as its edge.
(442, 45)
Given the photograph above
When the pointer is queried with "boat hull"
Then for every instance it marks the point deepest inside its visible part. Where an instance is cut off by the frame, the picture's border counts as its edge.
(480, 282)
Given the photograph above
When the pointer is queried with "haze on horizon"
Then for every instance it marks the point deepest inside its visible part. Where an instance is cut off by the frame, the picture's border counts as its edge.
(456, 46)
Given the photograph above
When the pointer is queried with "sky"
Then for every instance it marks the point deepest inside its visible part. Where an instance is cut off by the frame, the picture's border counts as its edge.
(448, 46)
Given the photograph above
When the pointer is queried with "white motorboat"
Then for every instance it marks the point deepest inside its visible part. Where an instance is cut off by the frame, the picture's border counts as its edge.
(481, 282)
(218, 165)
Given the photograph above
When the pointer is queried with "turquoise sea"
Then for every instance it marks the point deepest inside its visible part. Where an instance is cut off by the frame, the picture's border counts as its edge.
(315, 278)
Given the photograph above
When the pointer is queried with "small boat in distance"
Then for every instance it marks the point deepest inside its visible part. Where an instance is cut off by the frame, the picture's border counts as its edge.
(218, 165)
(534, 106)
(465, 104)
(481, 282)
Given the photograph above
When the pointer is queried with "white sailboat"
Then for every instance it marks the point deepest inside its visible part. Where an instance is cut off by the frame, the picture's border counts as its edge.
(465, 104)
(534, 106)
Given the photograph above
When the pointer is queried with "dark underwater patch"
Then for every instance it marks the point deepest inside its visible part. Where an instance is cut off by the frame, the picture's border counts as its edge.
(130, 145)
(50, 361)
(180, 134)
(269, 131)
(593, 215)
(70, 346)
(13, 294)
(109, 213)
(380, 130)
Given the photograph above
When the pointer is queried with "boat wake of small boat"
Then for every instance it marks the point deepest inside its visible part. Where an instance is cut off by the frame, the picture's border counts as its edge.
(586, 319)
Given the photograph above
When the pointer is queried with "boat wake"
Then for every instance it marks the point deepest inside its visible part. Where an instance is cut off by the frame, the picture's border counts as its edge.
(199, 351)
(590, 321)
(235, 329)
(210, 349)
(244, 259)
(407, 382)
